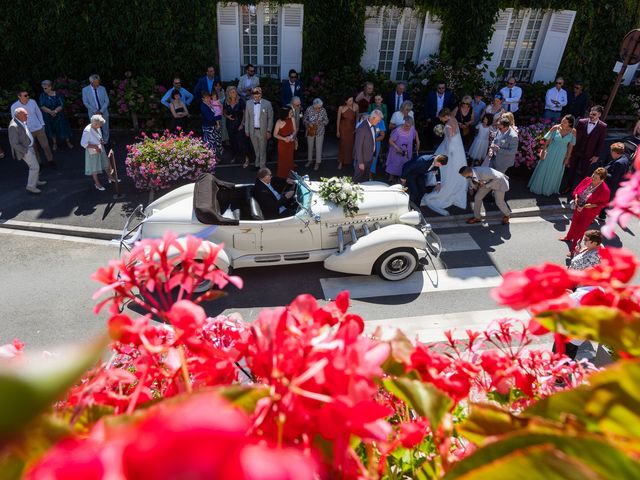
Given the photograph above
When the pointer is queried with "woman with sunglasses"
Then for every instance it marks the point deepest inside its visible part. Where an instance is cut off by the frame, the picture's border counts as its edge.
(465, 117)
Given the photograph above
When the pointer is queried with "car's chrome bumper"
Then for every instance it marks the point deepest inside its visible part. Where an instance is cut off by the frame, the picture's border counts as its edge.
(131, 234)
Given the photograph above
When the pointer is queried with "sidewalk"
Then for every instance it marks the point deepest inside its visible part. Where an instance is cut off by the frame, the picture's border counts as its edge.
(70, 200)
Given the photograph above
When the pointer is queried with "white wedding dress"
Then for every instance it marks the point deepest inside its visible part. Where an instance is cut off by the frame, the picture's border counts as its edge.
(454, 186)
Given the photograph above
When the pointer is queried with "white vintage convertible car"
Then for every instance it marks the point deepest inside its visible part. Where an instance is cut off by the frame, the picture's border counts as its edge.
(386, 237)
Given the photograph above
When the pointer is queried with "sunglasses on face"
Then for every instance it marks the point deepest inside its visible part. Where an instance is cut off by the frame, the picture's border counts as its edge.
(559, 83)
(293, 77)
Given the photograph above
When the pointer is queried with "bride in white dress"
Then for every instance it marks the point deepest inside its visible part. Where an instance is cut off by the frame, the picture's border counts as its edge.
(453, 187)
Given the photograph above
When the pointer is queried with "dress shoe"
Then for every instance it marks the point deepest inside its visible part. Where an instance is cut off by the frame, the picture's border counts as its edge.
(473, 220)
(33, 190)
(41, 183)
(505, 220)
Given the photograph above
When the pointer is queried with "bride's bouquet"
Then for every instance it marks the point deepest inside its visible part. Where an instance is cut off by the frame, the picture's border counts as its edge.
(439, 130)
(342, 191)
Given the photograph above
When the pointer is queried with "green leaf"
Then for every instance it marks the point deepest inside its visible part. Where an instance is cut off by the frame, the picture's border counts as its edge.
(609, 404)
(424, 398)
(546, 457)
(399, 355)
(487, 420)
(29, 388)
(245, 397)
(602, 324)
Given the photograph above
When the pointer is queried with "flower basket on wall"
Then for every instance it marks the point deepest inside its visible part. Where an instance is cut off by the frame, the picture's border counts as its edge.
(160, 161)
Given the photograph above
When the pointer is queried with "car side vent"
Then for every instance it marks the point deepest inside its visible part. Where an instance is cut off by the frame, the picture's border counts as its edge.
(296, 256)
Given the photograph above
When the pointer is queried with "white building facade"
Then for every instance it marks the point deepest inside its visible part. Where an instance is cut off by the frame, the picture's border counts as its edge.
(527, 43)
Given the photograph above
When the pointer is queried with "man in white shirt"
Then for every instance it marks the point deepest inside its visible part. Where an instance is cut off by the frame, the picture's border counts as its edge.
(512, 95)
(96, 100)
(555, 100)
(35, 124)
(22, 141)
(248, 82)
(258, 125)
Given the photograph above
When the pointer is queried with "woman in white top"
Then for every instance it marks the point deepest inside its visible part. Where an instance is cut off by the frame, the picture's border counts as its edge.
(95, 158)
(397, 119)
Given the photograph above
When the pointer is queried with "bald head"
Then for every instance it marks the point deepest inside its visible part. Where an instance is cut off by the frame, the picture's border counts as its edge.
(21, 114)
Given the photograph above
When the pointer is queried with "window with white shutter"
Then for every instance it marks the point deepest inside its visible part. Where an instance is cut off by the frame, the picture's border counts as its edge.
(260, 38)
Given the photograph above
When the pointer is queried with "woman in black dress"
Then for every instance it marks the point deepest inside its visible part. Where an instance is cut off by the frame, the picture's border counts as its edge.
(464, 116)
(234, 115)
(179, 112)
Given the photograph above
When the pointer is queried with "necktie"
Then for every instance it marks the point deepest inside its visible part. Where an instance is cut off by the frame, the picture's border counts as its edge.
(508, 104)
(95, 91)
(397, 102)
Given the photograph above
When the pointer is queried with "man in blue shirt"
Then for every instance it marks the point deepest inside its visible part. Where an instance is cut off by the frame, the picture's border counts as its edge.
(206, 83)
(186, 96)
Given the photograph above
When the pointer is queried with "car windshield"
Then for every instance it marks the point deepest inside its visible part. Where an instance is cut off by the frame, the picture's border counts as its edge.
(303, 194)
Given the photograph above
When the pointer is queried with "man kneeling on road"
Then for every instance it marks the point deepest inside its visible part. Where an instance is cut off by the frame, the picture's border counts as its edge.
(416, 175)
(486, 179)
(273, 196)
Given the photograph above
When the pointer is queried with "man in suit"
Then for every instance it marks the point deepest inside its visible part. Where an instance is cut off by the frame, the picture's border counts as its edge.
(273, 195)
(21, 141)
(36, 126)
(96, 101)
(617, 168)
(590, 135)
(206, 83)
(364, 146)
(248, 82)
(437, 99)
(414, 174)
(504, 147)
(291, 88)
(577, 102)
(258, 124)
(396, 98)
(485, 180)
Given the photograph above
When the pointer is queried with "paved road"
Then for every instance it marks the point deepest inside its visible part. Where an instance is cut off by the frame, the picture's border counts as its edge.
(45, 298)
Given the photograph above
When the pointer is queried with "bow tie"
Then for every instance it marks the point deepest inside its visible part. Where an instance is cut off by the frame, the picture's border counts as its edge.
(592, 123)
(256, 103)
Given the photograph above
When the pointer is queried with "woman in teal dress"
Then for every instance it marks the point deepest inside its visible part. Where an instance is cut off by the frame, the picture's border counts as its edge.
(55, 122)
(554, 157)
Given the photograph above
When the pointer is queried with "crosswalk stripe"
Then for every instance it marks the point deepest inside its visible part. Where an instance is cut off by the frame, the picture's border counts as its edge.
(420, 282)
(431, 328)
(458, 242)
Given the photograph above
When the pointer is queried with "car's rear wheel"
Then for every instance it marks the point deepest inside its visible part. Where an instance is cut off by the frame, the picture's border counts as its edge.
(396, 264)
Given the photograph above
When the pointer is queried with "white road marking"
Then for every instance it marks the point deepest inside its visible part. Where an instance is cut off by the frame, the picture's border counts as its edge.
(420, 282)
(53, 236)
(431, 328)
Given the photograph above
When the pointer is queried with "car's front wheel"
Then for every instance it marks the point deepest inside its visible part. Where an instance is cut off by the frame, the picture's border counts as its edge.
(396, 264)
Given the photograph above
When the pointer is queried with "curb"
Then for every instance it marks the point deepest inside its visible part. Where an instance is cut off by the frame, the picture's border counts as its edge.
(526, 212)
(66, 230)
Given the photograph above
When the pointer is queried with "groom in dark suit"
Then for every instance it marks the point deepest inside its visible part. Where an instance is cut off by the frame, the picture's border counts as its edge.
(414, 174)
(364, 146)
(590, 135)
(273, 196)
(437, 99)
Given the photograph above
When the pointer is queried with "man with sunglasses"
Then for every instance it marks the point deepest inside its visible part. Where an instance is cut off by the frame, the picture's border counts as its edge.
(185, 95)
(590, 135)
(35, 123)
(291, 88)
(554, 101)
(248, 82)
(512, 95)
(578, 102)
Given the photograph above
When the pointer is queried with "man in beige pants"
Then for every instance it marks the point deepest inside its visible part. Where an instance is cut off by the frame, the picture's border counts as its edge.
(21, 141)
(35, 124)
(485, 180)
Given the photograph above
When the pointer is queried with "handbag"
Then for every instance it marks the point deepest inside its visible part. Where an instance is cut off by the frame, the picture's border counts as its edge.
(312, 130)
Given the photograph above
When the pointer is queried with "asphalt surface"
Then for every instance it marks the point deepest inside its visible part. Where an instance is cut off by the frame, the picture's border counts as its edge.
(45, 298)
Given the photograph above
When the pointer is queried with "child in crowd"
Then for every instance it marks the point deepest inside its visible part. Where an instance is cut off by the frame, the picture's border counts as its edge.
(216, 106)
(480, 145)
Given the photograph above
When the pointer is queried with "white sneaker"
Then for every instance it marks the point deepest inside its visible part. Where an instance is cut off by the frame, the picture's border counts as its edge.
(101, 188)
(33, 190)
(40, 183)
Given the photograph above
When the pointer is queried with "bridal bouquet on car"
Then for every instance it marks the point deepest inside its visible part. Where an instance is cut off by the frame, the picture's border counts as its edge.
(439, 130)
(342, 191)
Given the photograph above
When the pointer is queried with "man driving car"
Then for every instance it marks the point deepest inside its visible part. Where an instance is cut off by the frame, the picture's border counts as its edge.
(274, 195)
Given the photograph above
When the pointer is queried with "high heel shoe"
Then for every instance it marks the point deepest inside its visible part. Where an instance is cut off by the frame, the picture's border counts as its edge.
(340, 166)
(316, 167)
(245, 164)
(70, 145)
(113, 180)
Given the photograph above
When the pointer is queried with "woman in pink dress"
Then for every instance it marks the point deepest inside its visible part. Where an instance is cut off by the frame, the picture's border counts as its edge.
(401, 148)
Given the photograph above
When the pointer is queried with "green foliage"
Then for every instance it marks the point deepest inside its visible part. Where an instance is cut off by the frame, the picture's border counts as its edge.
(29, 389)
(333, 35)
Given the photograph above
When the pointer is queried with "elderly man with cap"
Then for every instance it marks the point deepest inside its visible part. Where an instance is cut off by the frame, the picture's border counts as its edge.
(21, 141)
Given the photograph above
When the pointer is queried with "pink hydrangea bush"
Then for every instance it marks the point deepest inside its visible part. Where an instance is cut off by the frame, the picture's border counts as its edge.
(531, 141)
(160, 161)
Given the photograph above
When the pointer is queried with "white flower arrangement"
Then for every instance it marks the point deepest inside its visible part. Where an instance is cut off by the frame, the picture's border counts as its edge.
(439, 130)
(342, 191)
